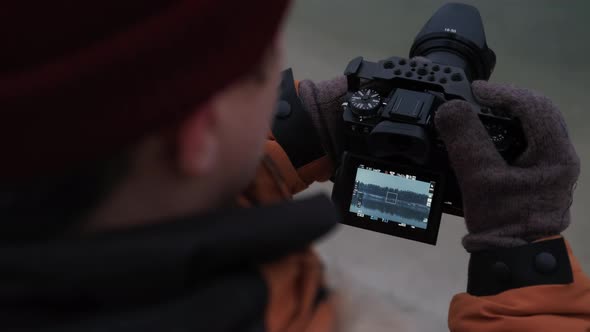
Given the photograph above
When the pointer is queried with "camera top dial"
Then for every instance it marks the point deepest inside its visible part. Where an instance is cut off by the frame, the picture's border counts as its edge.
(365, 103)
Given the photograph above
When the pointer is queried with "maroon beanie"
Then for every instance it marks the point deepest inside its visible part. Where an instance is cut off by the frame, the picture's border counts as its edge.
(80, 80)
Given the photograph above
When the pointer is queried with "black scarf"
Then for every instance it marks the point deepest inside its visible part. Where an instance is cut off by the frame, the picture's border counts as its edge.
(191, 274)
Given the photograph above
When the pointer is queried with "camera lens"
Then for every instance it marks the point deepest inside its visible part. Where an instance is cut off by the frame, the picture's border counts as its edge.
(455, 36)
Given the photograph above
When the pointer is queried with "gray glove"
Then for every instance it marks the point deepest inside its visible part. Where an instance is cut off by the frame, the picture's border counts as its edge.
(510, 205)
(323, 100)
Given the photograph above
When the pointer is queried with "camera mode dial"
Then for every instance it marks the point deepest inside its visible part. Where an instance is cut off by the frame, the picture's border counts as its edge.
(365, 103)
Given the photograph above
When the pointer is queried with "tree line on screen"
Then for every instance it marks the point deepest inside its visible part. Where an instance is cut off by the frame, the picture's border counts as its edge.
(407, 212)
(402, 195)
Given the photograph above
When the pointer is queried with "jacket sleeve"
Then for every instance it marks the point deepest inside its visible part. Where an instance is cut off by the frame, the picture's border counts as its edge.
(277, 179)
(298, 299)
(319, 169)
(294, 156)
(294, 143)
(535, 308)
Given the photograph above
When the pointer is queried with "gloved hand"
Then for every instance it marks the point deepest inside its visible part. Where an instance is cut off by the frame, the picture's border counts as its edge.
(510, 205)
(323, 100)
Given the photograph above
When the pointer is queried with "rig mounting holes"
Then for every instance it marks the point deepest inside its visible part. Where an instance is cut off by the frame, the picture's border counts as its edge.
(456, 77)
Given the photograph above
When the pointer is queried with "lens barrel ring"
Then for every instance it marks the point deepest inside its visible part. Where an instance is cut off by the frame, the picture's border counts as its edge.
(480, 62)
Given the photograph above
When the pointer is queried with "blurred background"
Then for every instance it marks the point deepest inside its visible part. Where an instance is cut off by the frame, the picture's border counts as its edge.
(388, 283)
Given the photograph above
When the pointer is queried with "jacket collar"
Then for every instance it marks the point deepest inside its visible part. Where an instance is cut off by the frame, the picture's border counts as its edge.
(161, 259)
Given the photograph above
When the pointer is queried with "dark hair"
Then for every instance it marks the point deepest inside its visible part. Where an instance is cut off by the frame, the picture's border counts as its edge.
(47, 207)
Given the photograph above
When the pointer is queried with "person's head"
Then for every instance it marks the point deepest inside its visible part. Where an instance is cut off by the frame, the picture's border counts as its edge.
(175, 96)
(202, 162)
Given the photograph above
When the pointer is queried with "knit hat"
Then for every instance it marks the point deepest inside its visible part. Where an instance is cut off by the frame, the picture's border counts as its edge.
(79, 80)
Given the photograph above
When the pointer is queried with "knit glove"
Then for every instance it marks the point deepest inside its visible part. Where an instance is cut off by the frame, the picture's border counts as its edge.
(508, 205)
(323, 100)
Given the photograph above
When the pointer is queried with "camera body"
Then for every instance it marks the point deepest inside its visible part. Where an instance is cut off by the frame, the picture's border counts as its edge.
(395, 177)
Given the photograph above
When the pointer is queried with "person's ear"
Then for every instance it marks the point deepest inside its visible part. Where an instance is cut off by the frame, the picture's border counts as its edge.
(198, 142)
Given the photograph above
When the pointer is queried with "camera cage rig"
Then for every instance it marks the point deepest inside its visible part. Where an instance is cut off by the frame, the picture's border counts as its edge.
(420, 75)
(389, 109)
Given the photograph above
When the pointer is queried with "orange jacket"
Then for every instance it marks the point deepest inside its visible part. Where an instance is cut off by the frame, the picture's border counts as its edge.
(294, 280)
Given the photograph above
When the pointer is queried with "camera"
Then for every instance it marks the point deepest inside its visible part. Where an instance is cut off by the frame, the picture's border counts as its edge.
(394, 176)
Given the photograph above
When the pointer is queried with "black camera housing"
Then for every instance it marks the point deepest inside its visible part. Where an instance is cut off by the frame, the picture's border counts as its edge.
(390, 106)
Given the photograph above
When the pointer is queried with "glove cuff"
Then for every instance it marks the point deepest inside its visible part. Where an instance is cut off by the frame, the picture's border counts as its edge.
(542, 263)
(293, 128)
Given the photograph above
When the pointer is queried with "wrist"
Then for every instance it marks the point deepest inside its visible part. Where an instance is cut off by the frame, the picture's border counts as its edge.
(478, 242)
(293, 127)
(545, 262)
(517, 227)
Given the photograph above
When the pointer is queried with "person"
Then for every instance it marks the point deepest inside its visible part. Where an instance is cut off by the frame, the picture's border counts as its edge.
(142, 191)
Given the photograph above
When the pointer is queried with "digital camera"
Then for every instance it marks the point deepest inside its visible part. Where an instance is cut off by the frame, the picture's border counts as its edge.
(394, 177)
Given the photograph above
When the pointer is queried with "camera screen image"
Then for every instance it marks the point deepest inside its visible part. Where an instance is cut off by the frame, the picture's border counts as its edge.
(387, 196)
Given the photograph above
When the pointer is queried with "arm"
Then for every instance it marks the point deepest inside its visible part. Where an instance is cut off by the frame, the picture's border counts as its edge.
(306, 129)
(522, 274)
(557, 307)
(510, 209)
